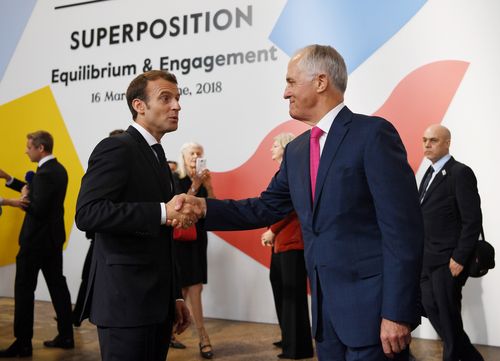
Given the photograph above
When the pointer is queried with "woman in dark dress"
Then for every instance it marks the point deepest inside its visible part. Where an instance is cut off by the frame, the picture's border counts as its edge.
(192, 255)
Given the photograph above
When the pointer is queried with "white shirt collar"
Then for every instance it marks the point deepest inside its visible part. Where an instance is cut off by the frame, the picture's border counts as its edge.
(326, 122)
(145, 134)
(45, 160)
(440, 163)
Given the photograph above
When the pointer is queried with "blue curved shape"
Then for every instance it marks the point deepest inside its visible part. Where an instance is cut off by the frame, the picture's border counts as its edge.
(13, 19)
(355, 28)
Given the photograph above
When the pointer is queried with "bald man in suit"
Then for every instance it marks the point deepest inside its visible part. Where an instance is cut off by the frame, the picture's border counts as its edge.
(451, 209)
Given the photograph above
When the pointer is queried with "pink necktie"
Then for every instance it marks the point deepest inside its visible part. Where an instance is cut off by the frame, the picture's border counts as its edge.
(314, 152)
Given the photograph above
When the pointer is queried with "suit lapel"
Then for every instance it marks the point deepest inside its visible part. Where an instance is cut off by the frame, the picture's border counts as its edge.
(147, 152)
(336, 135)
(438, 179)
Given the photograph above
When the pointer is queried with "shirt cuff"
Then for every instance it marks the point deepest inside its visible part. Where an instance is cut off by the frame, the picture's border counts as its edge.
(9, 182)
(163, 213)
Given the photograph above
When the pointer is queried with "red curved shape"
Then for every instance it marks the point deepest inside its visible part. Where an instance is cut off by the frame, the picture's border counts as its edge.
(247, 181)
(420, 99)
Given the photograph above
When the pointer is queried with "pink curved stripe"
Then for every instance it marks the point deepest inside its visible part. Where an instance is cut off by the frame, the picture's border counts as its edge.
(420, 99)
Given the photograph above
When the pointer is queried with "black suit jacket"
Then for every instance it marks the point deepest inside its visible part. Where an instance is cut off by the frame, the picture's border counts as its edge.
(132, 281)
(451, 210)
(43, 224)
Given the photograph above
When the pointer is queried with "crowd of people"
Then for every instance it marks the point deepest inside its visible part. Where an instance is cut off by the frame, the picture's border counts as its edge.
(343, 212)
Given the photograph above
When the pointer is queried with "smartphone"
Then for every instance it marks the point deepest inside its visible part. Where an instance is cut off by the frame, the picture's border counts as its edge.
(201, 165)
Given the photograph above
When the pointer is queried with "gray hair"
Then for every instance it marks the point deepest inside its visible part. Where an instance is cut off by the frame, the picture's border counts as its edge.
(323, 59)
(181, 164)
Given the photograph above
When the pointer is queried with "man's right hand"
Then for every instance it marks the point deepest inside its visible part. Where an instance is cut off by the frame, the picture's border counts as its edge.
(184, 210)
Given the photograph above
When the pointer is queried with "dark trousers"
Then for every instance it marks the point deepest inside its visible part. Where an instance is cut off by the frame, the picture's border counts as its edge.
(329, 347)
(28, 264)
(145, 343)
(442, 302)
(82, 291)
(289, 283)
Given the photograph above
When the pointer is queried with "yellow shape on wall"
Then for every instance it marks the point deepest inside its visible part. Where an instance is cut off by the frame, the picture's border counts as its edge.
(32, 112)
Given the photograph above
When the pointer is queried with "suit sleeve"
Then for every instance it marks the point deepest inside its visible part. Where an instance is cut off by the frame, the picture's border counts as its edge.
(469, 206)
(394, 191)
(16, 185)
(271, 206)
(100, 206)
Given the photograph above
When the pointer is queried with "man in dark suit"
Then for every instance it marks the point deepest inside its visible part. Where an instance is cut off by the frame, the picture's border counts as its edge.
(125, 200)
(451, 209)
(360, 217)
(41, 244)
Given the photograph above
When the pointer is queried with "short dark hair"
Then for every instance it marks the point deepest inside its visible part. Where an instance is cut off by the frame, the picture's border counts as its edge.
(41, 137)
(137, 87)
(116, 132)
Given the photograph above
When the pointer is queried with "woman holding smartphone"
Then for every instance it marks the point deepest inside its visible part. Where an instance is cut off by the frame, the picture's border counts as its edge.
(194, 179)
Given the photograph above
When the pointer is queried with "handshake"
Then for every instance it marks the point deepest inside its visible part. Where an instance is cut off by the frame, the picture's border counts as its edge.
(184, 210)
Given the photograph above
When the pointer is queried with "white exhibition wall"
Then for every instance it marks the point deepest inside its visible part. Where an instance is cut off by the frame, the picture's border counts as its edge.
(247, 99)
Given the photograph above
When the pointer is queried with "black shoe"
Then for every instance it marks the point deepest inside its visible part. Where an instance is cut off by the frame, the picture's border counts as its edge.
(176, 344)
(278, 344)
(206, 354)
(17, 350)
(296, 357)
(60, 342)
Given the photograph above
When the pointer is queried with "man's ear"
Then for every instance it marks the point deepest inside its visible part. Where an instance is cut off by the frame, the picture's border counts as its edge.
(138, 105)
(321, 83)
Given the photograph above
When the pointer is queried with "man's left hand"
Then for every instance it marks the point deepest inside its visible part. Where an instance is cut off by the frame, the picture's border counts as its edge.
(455, 268)
(182, 317)
(395, 337)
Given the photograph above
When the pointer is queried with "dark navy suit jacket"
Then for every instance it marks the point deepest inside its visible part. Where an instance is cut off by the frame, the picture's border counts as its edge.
(363, 235)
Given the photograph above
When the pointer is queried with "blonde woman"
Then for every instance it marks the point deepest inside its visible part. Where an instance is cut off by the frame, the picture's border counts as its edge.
(288, 276)
(192, 255)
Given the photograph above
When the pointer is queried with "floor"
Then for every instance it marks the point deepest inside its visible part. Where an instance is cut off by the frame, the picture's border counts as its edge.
(232, 341)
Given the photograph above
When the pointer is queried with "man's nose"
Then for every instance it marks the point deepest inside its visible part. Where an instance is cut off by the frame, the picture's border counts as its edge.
(287, 92)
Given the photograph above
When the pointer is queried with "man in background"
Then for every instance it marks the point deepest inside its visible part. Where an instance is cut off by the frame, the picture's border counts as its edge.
(41, 247)
(173, 165)
(451, 209)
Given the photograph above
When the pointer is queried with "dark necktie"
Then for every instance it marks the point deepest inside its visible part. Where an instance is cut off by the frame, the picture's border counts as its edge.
(425, 182)
(164, 169)
(315, 154)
